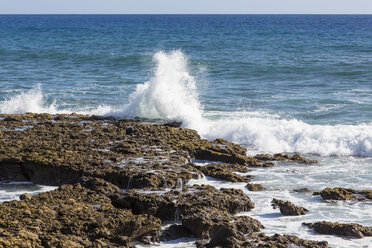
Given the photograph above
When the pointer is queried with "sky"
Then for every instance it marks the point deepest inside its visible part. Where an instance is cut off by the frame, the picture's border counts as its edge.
(185, 6)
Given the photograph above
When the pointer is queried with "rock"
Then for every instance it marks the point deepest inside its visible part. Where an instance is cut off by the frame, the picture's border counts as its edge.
(338, 194)
(339, 229)
(174, 232)
(255, 187)
(71, 216)
(287, 208)
(366, 193)
(225, 171)
(25, 197)
(303, 190)
(284, 157)
(173, 204)
(277, 240)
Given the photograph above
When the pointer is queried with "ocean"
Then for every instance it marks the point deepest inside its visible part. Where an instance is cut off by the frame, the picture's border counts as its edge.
(272, 83)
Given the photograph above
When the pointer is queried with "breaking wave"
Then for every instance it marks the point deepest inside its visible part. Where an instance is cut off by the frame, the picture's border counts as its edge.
(171, 94)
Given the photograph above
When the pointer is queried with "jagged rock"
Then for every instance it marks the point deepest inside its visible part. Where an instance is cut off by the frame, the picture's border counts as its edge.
(205, 222)
(344, 194)
(284, 157)
(174, 232)
(71, 216)
(277, 240)
(287, 208)
(56, 150)
(338, 194)
(339, 229)
(255, 187)
(225, 171)
(173, 204)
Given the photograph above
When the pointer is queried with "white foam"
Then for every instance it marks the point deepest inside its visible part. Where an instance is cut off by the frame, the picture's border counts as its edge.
(278, 135)
(171, 94)
(27, 101)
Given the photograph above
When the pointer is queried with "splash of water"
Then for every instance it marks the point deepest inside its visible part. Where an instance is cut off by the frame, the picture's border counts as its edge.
(170, 95)
(27, 101)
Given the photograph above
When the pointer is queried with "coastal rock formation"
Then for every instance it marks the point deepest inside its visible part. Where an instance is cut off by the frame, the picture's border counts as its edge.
(225, 171)
(345, 194)
(285, 157)
(255, 187)
(229, 238)
(287, 208)
(71, 216)
(174, 204)
(119, 179)
(339, 229)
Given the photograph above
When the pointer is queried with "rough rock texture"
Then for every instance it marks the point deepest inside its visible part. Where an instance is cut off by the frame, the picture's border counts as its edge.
(102, 162)
(229, 238)
(339, 229)
(71, 216)
(287, 208)
(345, 194)
(284, 157)
(174, 204)
(255, 187)
(174, 232)
(226, 172)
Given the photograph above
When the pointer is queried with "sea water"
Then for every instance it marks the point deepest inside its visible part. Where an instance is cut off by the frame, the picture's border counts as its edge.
(272, 83)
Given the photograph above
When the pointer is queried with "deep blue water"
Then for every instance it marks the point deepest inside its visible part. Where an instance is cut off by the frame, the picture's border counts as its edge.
(295, 65)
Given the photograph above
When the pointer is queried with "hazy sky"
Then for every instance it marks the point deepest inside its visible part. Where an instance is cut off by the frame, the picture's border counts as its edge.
(185, 6)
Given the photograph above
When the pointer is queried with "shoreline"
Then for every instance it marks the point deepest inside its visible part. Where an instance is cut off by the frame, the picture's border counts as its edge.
(102, 164)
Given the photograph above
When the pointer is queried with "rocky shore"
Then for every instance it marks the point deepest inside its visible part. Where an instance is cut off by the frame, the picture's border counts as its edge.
(120, 180)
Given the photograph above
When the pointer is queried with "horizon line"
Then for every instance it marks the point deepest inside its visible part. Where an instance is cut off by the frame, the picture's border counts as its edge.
(186, 14)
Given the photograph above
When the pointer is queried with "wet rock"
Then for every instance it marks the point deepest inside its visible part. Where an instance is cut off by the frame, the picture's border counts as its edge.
(255, 187)
(338, 194)
(287, 208)
(339, 229)
(174, 232)
(366, 193)
(277, 240)
(225, 171)
(303, 190)
(205, 222)
(284, 157)
(71, 216)
(25, 197)
(173, 204)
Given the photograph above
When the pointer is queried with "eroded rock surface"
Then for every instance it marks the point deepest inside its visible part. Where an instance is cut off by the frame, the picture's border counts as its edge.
(288, 208)
(120, 179)
(345, 194)
(225, 171)
(339, 229)
(71, 216)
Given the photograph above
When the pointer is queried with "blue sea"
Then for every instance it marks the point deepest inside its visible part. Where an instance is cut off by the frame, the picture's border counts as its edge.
(272, 83)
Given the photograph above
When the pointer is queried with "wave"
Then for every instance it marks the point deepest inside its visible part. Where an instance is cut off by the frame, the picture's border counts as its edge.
(171, 94)
(29, 101)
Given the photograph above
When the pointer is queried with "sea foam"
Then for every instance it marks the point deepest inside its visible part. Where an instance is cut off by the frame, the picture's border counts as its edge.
(27, 101)
(171, 94)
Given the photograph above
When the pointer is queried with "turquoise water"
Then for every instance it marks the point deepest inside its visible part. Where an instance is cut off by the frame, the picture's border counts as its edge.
(272, 83)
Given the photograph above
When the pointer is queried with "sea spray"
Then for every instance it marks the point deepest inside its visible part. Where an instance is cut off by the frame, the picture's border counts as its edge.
(27, 101)
(279, 135)
(170, 95)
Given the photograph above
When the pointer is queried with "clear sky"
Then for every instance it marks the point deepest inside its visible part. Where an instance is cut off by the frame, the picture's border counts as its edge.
(185, 6)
